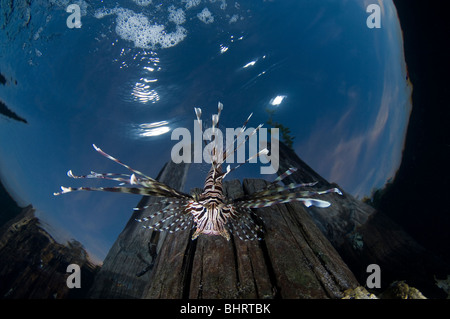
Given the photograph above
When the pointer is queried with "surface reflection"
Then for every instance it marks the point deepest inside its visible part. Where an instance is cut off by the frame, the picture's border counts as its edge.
(142, 92)
(152, 129)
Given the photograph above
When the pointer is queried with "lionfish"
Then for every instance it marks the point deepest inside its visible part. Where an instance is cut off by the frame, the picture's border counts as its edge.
(211, 211)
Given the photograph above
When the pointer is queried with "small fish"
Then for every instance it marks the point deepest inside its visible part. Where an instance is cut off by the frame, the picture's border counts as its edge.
(211, 211)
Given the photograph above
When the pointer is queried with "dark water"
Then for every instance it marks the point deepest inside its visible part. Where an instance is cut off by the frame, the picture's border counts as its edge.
(123, 84)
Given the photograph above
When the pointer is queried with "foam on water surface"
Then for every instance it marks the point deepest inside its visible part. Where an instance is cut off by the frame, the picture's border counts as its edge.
(143, 3)
(136, 27)
(206, 16)
(164, 25)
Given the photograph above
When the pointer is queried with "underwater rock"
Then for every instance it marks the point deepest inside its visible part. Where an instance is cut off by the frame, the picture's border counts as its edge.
(400, 290)
(358, 293)
(444, 284)
(9, 208)
(33, 265)
(397, 290)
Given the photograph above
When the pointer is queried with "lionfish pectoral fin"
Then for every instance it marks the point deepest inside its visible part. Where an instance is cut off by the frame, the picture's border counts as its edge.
(173, 219)
(63, 191)
(308, 202)
(99, 150)
(285, 174)
(123, 178)
(126, 190)
(267, 201)
(336, 190)
(196, 234)
(225, 234)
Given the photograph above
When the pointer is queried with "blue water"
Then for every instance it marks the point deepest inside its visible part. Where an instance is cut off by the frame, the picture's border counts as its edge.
(345, 94)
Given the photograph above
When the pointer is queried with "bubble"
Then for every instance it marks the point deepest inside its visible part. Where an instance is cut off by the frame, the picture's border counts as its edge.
(191, 3)
(136, 27)
(100, 13)
(142, 3)
(205, 16)
(64, 3)
(234, 18)
(164, 25)
(223, 5)
(176, 16)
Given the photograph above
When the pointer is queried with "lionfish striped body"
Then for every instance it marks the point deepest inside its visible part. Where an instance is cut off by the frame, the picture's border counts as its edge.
(211, 211)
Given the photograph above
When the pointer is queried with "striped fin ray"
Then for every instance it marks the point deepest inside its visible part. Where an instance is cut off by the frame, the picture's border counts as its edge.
(149, 186)
(120, 163)
(162, 189)
(331, 190)
(109, 176)
(281, 199)
(198, 114)
(177, 220)
(162, 201)
(284, 175)
(265, 151)
(216, 117)
(170, 209)
(244, 225)
(273, 190)
(227, 152)
(229, 170)
(181, 223)
(228, 149)
(269, 191)
(216, 153)
(157, 192)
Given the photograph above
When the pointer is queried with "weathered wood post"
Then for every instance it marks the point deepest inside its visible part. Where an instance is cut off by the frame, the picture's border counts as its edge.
(294, 259)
